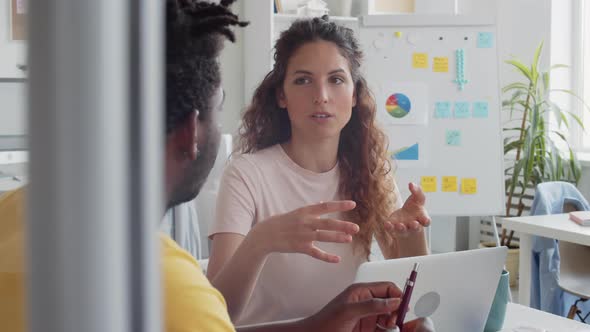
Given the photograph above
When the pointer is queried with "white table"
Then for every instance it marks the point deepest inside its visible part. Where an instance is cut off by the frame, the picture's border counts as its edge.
(556, 226)
(519, 316)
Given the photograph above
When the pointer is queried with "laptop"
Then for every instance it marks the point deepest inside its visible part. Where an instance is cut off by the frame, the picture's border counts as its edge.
(455, 289)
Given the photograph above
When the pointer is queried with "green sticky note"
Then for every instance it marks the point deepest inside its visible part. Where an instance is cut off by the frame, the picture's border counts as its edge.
(453, 137)
(461, 110)
(485, 40)
(442, 110)
(480, 109)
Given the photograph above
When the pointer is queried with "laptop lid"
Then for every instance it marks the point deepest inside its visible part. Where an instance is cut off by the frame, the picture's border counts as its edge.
(454, 289)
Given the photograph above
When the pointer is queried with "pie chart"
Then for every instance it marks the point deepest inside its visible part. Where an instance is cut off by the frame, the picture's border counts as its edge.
(398, 105)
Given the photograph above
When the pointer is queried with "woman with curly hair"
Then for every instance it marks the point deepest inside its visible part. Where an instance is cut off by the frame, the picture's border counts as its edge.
(309, 147)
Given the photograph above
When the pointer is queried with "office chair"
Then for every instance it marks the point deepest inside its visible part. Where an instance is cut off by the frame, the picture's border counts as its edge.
(574, 272)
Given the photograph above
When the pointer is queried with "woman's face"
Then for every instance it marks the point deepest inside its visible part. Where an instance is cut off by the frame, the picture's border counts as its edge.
(318, 91)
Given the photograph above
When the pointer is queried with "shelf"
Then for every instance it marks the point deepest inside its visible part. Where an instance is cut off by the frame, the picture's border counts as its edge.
(293, 17)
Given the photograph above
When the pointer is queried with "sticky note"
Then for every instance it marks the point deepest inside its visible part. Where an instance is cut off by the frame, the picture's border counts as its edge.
(420, 60)
(428, 184)
(449, 184)
(453, 137)
(485, 40)
(398, 34)
(480, 109)
(442, 110)
(461, 110)
(469, 186)
(440, 64)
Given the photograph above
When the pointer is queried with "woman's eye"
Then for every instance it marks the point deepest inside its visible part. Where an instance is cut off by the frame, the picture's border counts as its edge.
(337, 80)
(301, 80)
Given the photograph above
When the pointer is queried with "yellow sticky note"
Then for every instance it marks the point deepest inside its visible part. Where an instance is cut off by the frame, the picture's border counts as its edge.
(398, 34)
(469, 186)
(420, 60)
(449, 184)
(428, 184)
(440, 64)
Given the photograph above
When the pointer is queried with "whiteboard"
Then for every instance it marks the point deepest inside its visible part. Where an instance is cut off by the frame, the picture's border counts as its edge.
(436, 130)
(13, 117)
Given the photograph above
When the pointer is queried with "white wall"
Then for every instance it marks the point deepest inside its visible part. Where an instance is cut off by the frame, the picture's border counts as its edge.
(12, 109)
(522, 25)
(232, 67)
(12, 53)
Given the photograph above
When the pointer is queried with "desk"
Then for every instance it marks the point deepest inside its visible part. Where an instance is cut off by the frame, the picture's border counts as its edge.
(520, 316)
(556, 226)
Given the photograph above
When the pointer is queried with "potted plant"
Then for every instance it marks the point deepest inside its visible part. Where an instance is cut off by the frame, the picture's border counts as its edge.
(541, 153)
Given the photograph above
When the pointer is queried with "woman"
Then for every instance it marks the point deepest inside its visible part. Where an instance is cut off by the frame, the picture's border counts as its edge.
(308, 137)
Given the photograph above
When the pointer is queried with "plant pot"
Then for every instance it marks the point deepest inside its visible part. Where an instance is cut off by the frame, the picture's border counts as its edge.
(511, 261)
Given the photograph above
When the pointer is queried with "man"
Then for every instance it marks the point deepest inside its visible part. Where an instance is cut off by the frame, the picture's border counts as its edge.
(194, 32)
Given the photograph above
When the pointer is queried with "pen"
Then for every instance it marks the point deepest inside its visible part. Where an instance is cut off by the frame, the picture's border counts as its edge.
(405, 304)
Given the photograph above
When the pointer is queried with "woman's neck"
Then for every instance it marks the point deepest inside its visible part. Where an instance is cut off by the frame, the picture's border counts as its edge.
(318, 156)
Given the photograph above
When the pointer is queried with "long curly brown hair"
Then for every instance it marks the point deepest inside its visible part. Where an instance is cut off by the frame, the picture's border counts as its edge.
(365, 170)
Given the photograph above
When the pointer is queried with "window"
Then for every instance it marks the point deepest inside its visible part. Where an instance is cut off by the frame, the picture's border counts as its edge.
(583, 55)
(581, 71)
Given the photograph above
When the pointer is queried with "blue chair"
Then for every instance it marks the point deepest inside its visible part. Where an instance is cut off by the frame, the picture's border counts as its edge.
(546, 294)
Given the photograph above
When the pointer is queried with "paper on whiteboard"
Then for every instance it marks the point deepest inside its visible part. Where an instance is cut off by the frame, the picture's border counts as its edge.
(402, 104)
(408, 146)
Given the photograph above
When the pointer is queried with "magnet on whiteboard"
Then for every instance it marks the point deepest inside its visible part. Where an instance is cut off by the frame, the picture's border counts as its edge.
(413, 38)
(398, 34)
(379, 44)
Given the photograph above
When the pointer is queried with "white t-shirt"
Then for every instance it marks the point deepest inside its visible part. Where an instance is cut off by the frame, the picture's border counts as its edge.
(257, 186)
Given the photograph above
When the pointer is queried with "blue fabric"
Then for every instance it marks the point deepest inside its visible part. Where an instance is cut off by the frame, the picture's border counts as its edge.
(546, 295)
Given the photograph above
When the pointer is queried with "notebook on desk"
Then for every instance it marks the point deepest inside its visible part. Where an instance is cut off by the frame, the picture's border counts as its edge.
(581, 218)
(454, 289)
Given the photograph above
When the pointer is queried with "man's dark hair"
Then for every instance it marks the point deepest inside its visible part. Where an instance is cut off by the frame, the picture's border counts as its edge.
(194, 32)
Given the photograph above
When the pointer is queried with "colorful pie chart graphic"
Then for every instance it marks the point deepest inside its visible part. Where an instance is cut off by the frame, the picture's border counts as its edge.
(398, 105)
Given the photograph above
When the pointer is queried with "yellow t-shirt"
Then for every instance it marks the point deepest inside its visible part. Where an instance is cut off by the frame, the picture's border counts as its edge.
(190, 302)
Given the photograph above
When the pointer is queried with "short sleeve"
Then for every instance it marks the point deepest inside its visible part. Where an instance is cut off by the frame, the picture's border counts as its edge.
(191, 302)
(235, 207)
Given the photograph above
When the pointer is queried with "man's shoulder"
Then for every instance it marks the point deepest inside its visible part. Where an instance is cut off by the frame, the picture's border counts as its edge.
(191, 302)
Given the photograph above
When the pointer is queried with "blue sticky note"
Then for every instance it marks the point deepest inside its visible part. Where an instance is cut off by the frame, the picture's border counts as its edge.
(453, 137)
(480, 109)
(485, 40)
(461, 110)
(442, 110)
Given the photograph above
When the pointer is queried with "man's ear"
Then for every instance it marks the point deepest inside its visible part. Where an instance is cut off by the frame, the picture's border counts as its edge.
(185, 136)
(281, 100)
(354, 97)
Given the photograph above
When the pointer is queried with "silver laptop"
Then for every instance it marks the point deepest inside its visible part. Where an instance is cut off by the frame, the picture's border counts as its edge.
(455, 289)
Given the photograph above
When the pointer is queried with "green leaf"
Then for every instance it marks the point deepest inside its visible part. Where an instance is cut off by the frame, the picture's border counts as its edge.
(535, 64)
(523, 69)
(558, 66)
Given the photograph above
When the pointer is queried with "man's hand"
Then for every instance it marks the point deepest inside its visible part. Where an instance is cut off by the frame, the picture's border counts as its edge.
(358, 309)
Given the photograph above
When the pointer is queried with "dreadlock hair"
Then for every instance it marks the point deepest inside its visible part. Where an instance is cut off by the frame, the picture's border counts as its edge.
(193, 43)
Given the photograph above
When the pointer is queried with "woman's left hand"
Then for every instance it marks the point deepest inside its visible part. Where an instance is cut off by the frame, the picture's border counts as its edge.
(412, 217)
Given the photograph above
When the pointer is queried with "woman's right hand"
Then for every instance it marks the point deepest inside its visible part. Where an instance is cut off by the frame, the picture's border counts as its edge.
(298, 230)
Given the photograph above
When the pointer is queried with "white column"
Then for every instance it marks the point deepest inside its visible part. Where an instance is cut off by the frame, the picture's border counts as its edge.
(86, 166)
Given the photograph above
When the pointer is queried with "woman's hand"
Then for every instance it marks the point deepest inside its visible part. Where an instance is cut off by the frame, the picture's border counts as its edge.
(412, 217)
(298, 230)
